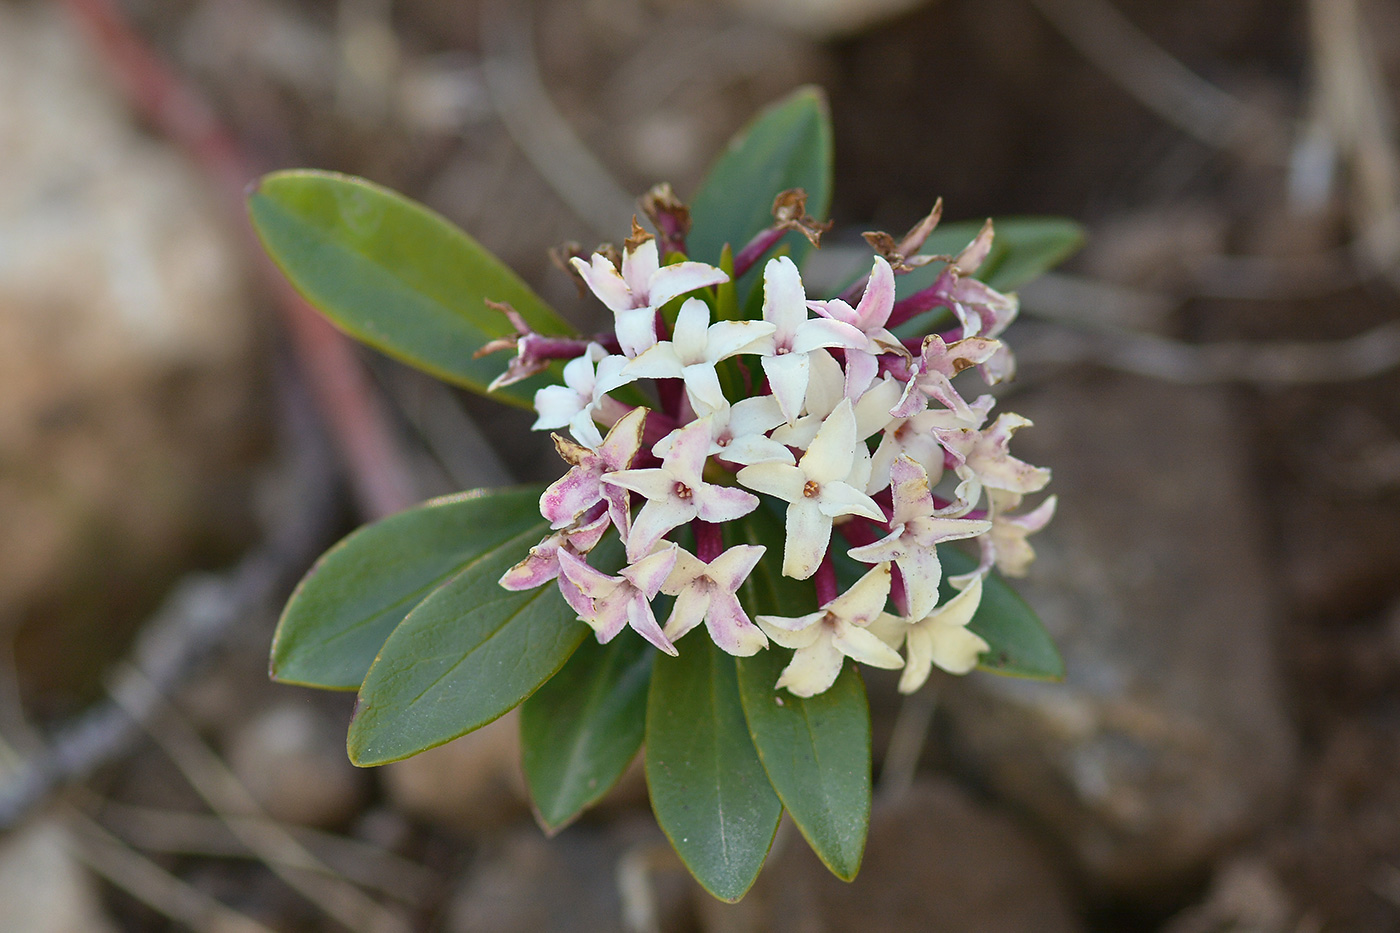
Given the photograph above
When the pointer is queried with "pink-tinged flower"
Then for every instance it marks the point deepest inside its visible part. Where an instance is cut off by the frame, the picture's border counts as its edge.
(694, 349)
(708, 593)
(825, 390)
(920, 438)
(985, 460)
(916, 528)
(785, 352)
(825, 638)
(542, 563)
(817, 490)
(942, 637)
(583, 398)
(583, 486)
(608, 603)
(1007, 542)
(982, 310)
(933, 375)
(676, 493)
(738, 432)
(643, 286)
(869, 317)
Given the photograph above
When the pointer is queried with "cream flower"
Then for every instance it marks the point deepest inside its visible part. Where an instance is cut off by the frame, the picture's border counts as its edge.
(642, 286)
(708, 593)
(941, 638)
(817, 489)
(825, 638)
(694, 349)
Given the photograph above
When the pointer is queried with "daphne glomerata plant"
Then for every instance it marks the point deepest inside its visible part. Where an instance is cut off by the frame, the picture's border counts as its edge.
(763, 489)
(845, 426)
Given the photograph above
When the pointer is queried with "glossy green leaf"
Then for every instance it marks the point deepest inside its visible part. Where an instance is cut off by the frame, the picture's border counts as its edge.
(581, 729)
(349, 602)
(788, 145)
(708, 789)
(1020, 645)
(1023, 248)
(466, 655)
(395, 275)
(816, 752)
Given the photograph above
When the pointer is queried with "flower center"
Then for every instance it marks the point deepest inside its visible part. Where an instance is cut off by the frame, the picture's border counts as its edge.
(811, 490)
(683, 492)
(782, 351)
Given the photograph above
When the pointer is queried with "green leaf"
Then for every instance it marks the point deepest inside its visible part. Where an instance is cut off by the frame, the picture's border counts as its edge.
(466, 655)
(1023, 248)
(788, 145)
(708, 789)
(816, 753)
(579, 731)
(349, 602)
(1020, 645)
(395, 275)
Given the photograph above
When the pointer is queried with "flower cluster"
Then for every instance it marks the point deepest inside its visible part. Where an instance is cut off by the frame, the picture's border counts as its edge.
(859, 436)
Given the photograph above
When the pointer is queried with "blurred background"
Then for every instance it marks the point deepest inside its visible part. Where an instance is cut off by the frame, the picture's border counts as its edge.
(1213, 380)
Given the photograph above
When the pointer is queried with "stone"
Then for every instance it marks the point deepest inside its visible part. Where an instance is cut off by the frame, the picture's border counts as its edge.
(936, 861)
(473, 783)
(615, 876)
(43, 889)
(1168, 739)
(127, 418)
(292, 760)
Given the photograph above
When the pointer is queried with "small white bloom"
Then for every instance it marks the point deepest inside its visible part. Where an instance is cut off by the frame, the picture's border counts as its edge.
(785, 352)
(738, 432)
(643, 286)
(825, 390)
(676, 492)
(916, 529)
(825, 638)
(942, 637)
(708, 593)
(583, 397)
(817, 489)
(694, 349)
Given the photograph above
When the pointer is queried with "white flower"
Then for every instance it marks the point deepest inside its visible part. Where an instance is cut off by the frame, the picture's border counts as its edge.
(708, 593)
(825, 390)
(785, 361)
(817, 490)
(941, 638)
(933, 374)
(675, 492)
(825, 638)
(583, 397)
(920, 438)
(579, 489)
(643, 286)
(916, 529)
(738, 432)
(1007, 542)
(694, 349)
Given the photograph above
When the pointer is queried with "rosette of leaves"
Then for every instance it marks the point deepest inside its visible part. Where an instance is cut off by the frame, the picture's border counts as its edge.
(408, 612)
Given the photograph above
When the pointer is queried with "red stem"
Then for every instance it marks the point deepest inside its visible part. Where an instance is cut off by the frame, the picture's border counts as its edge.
(709, 543)
(825, 579)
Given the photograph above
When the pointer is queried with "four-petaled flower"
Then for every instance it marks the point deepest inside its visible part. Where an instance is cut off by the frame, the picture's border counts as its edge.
(708, 593)
(583, 486)
(796, 334)
(916, 529)
(825, 638)
(817, 490)
(694, 349)
(584, 396)
(635, 293)
(676, 492)
(942, 637)
(869, 317)
(609, 604)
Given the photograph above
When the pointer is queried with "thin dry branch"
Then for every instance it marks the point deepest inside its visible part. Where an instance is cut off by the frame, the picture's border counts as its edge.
(225, 794)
